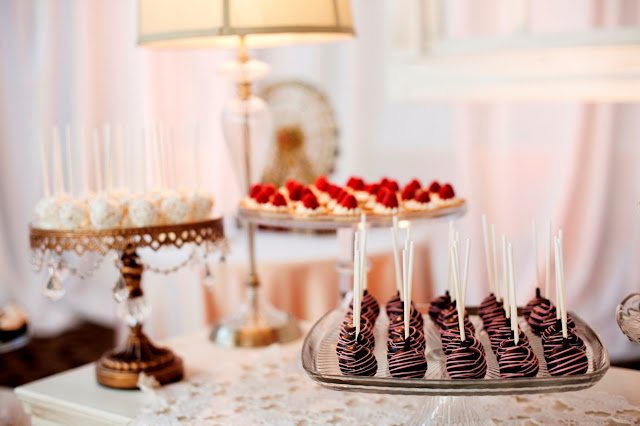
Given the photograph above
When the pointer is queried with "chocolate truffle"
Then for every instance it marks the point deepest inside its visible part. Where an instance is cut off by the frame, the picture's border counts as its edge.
(396, 340)
(567, 359)
(466, 362)
(470, 340)
(556, 339)
(408, 363)
(501, 334)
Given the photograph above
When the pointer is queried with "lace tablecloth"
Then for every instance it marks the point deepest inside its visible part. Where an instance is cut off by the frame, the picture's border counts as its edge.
(269, 386)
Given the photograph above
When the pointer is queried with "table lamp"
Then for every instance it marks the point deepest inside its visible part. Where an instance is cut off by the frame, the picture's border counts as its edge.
(245, 24)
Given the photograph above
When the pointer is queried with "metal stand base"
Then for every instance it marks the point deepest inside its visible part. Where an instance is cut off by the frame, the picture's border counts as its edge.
(257, 323)
(120, 368)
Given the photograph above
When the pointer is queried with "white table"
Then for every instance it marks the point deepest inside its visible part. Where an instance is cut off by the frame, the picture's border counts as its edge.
(249, 384)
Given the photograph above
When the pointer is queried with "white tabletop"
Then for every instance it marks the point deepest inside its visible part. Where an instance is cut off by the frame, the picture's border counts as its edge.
(75, 398)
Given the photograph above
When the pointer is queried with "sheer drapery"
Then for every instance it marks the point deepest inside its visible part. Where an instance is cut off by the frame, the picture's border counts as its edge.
(76, 62)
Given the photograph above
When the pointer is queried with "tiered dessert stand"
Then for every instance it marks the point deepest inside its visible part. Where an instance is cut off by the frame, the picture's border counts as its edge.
(120, 368)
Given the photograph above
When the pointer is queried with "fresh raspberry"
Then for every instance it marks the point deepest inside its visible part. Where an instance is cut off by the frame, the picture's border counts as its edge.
(446, 192)
(373, 188)
(349, 202)
(305, 191)
(255, 190)
(355, 183)
(310, 201)
(390, 200)
(334, 191)
(269, 188)
(295, 194)
(291, 183)
(322, 183)
(393, 185)
(381, 194)
(384, 181)
(408, 193)
(341, 196)
(263, 197)
(434, 187)
(278, 200)
(423, 197)
(415, 184)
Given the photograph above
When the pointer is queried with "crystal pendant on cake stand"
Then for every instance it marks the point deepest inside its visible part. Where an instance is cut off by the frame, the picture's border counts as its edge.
(246, 124)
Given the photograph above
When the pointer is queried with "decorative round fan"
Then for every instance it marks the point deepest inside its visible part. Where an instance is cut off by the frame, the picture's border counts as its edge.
(304, 143)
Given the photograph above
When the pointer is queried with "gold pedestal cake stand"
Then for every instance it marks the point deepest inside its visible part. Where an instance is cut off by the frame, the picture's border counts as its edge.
(120, 368)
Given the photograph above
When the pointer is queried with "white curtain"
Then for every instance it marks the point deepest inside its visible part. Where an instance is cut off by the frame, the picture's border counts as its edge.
(76, 62)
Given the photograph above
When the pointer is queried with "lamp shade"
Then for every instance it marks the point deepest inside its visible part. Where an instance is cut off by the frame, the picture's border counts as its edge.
(264, 23)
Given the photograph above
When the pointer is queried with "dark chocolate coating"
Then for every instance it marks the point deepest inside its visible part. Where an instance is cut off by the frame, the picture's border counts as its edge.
(466, 362)
(470, 340)
(497, 324)
(539, 314)
(501, 334)
(349, 339)
(396, 341)
(398, 322)
(438, 304)
(409, 364)
(526, 311)
(552, 325)
(493, 314)
(517, 360)
(393, 304)
(567, 360)
(446, 336)
(365, 329)
(486, 303)
(370, 307)
(357, 361)
(450, 320)
(556, 339)
(397, 309)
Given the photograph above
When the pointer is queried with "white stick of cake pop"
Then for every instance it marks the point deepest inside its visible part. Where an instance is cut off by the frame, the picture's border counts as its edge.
(564, 314)
(494, 252)
(535, 254)
(82, 148)
(396, 256)
(97, 161)
(72, 191)
(449, 257)
(558, 280)
(410, 278)
(505, 280)
(363, 252)
(465, 273)
(547, 283)
(45, 167)
(162, 161)
(146, 148)
(120, 158)
(58, 180)
(456, 285)
(196, 162)
(487, 252)
(108, 158)
(563, 301)
(356, 291)
(172, 160)
(407, 294)
(512, 296)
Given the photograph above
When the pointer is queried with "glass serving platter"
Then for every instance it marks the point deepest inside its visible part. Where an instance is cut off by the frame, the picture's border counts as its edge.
(325, 222)
(320, 361)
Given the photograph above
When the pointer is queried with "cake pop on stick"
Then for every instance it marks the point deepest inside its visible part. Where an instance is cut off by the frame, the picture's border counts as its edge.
(407, 294)
(505, 281)
(356, 291)
(47, 208)
(73, 212)
(396, 259)
(487, 253)
(456, 284)
(512, 296)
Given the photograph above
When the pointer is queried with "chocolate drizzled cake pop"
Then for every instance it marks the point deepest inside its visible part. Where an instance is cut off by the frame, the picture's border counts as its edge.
(398, 322)
(438, 304)
(501, 334)
(470, 340)
(516, 359)
(537, 300)
(554, 324)
(370, 307)
(348, 338)
(396, 310)
(357, 360)
(396, 341)
(539, 314)
(488, 303)
(408, 363)
(447, 335)
(557, 339)
(394, 304)
(348, 326)
(450, 315)
(567, 359)
(466, 362)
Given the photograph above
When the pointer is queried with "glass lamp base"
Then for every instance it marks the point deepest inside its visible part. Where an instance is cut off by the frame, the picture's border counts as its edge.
(450, 410)
(256, 323)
